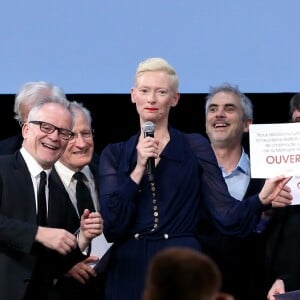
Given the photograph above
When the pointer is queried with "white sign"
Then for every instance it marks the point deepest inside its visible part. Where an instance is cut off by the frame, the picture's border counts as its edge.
(274, 149)
(99, 247)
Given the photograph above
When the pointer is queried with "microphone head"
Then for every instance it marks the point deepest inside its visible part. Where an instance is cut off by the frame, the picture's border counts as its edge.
(148, 127)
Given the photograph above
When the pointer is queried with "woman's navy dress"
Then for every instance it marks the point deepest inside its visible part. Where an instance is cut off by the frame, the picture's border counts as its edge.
(141, 220)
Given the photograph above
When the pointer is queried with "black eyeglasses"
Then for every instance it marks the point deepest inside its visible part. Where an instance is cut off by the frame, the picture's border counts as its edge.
(85, 134)
(45, 127)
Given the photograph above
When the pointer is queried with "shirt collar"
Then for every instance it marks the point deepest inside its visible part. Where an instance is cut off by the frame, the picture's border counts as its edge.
(244, 163)
(34, 168)
(66, 174)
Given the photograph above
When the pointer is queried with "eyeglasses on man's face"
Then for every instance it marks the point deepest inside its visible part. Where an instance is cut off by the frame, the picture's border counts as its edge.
(85, 134)
(48, 128)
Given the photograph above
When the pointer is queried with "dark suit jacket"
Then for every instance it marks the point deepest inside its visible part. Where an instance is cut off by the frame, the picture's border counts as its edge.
(283, 247)
(68, 288)
(11, 144)
(19, 254)
(237, 257)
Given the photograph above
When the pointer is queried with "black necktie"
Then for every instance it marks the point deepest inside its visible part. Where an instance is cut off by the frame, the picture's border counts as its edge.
(83, 194)
(42, 206)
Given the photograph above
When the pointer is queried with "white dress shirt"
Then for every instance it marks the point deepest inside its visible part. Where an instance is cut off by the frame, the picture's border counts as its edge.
(69, 183)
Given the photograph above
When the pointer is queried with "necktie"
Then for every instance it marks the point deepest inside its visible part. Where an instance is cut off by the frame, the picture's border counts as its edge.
(42, 206)
(83, 194)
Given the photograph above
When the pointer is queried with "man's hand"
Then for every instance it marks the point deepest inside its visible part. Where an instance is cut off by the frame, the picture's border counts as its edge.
(284, 197)
(82, 271)
(91, 225)
(277, 288)
(275, 189)
(56, 239)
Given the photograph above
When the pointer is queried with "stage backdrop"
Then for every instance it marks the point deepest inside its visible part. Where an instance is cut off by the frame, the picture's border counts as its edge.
(94, 46)
(115, 117)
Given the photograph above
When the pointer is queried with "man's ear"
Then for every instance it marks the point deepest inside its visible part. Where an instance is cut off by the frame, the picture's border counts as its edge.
(224, 296)
(247, 123)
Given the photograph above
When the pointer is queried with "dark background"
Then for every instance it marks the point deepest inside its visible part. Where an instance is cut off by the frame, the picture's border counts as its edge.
(115, 117)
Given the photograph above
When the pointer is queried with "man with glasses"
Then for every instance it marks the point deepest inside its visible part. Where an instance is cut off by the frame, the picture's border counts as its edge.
(33, 255)
(45, 127)
(28, 94)
(79, 161)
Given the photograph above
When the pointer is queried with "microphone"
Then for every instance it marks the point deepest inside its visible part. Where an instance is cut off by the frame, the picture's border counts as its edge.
(148, 129)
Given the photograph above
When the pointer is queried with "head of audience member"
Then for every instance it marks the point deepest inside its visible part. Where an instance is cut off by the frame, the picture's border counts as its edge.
(155, 90)
(48, 130)
(31, 92)
(80, 148)
(228, 113)
(295, 108)
(179, 273)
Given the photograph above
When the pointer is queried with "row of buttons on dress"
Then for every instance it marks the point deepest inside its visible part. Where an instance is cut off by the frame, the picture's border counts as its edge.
(154, 206)
(137, 236)
(155, 212)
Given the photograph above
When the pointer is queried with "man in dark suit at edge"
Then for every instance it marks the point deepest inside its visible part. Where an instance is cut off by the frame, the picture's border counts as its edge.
(32, 256)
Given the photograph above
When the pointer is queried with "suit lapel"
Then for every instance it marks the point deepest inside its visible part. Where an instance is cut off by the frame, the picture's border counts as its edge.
(22, 180)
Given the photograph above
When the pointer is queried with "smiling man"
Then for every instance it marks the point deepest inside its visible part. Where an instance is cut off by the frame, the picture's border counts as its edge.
(32, 254)
(80, 161)
(228, 116)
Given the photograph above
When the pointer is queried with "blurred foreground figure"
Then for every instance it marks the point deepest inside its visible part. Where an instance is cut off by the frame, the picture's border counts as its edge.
(179, 273)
